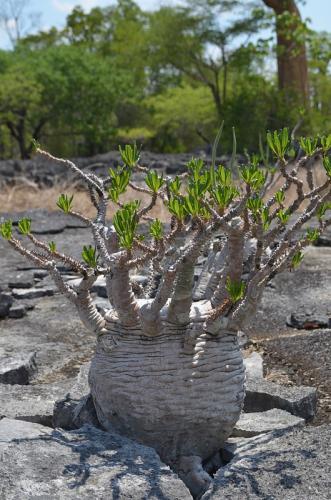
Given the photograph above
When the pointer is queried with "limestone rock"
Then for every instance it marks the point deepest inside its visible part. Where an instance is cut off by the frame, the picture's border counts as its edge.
(254, 365)
(76, 408)
(253, 424)
(54, 330)
(39, 462)
(283, 465)
(262, 395)
(308, 320)
(33, 403)
(72, 414)
(18, 311)
(22, 279)
(18, 369)
(5, 304)
(32, 293)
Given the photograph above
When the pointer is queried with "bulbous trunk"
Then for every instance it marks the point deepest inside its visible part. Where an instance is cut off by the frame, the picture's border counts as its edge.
(180, 391)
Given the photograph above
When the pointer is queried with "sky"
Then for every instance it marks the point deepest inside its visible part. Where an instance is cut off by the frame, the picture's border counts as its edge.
(54, 12)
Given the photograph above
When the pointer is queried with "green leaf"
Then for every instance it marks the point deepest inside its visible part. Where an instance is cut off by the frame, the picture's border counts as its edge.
(235, 289)
(224, 195)
(90, 256)
(322, 209)
(192, 205)
(326, 143)
(156, 229)
(283, 216)
(205, 213)
(312, 234)
(52, 246)
(255, 205)
(65, 203)
(297, 259)
(24, 226)
(130, 155)
(265, 218)
(278, 142)
(223, 176)
(195, 167)
(174, 185)
(259, 211)
(120, 179)
(154, 181)
(35, 144)
(6, 229)
(253, 176)
(327, 165)
(280, 197)
(125, 223)
(308, 145)
(176, 207)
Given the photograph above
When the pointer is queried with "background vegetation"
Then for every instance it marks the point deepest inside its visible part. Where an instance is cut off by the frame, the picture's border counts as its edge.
(165, 78)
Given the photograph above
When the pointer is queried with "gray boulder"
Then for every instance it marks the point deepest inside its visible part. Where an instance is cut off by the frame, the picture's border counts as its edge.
(262, 395)
(22, 279)
(5, 304)
(307, 320)
(283, 465)
(18, 369)
(72, 414)
(33, 403)
(39, 462)
(33, 293)
(18, 311)
(77, 407)
(253, 424)
(254, 365)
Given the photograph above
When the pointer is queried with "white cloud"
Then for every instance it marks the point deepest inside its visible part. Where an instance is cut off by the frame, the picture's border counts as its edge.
(11, 23)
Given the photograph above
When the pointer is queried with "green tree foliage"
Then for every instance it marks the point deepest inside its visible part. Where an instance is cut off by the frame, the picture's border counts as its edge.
(166, 78)
(193, 42)
(58, 92)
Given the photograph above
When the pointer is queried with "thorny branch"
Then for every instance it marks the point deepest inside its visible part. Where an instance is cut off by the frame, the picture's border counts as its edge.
(260, 234)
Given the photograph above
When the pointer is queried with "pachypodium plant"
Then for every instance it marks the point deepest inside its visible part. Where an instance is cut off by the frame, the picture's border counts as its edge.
(167, 370)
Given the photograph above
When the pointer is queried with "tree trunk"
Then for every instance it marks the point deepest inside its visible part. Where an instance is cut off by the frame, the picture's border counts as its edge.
(217, 100)
(291, 53)
(17, 133)
(180, 391)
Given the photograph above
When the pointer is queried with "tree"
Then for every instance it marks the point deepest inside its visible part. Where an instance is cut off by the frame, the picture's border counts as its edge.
(319, 52)
(21, 107)
(168, 369)
(192, 42)
(180, 114)
(291, 50)
(15, 20)
(64, 89)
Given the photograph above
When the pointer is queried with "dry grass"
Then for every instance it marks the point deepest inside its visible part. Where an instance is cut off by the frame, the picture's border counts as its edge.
(27, 195)
(319, 178)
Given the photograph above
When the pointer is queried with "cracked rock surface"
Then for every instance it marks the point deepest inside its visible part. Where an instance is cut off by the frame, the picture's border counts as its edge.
(291, 465)
(39, 462)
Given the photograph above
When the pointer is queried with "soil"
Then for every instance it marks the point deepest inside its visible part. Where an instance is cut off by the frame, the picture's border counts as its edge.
(298, 357)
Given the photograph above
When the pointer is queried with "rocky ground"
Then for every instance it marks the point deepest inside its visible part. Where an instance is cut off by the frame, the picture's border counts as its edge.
(43, 356)
(49, 173)
(293, 327)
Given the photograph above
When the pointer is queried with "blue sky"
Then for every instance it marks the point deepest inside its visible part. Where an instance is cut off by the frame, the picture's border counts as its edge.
(54, 12)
